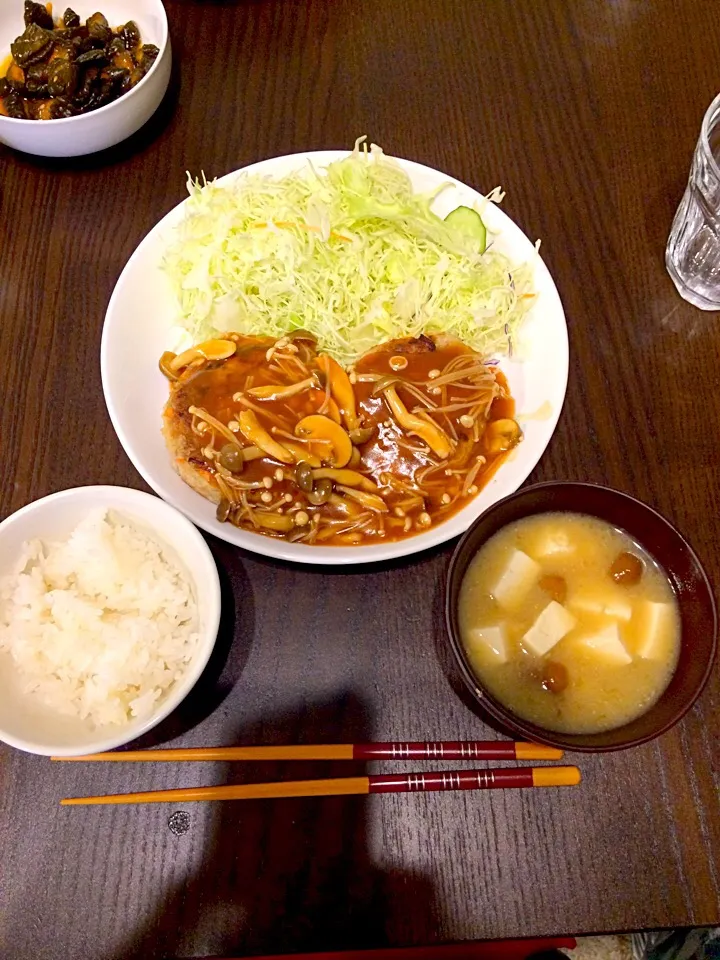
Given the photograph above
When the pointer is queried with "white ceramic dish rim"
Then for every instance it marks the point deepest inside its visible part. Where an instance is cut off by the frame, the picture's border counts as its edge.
(124, 99)
(203, 514)
(182, 688)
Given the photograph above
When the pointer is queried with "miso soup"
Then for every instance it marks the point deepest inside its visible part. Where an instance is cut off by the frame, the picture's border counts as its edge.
(569, 623)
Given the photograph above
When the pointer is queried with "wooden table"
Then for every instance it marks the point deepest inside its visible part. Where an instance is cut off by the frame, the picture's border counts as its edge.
(587, 114)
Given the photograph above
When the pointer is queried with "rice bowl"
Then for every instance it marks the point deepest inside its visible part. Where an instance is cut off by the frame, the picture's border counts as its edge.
(101, 625)
(153, 644)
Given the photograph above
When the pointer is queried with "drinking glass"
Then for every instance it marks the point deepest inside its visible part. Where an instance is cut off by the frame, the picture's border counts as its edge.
(692, 256)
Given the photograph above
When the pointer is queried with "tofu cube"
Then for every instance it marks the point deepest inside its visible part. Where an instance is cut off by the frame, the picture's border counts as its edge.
(604, 602)
(608, 646)
(551, 543)
(653, 621)
(518, 576)
(549, 628)
(494, 638)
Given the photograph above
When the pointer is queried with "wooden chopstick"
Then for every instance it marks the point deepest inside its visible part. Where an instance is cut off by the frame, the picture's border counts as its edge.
(405, 750)
(502, 778)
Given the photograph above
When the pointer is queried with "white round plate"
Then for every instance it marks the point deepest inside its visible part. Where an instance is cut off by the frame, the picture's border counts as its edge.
(138, 328)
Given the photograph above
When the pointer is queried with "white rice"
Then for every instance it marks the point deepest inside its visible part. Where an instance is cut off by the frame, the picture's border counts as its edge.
(99, 626)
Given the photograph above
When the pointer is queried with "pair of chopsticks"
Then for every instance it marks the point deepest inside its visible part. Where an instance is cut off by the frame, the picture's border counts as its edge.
(490, 779)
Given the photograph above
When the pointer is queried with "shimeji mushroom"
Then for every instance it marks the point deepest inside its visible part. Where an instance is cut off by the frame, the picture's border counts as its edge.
(341, 390)
(351, 478)
(252, 430)
(369, 500)
(281, 393)
(278, 522)
(434, 437)
(171, 365)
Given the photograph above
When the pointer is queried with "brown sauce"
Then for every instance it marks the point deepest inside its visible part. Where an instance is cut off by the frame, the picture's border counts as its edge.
(417, 487)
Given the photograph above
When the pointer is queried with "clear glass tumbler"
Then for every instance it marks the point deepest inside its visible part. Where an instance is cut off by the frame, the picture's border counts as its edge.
(692, 256)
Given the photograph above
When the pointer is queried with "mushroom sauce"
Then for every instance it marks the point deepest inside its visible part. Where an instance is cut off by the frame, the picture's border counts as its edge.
(290, 444)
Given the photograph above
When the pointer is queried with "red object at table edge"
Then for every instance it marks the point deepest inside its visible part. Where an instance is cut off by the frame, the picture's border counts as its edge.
(472, 950)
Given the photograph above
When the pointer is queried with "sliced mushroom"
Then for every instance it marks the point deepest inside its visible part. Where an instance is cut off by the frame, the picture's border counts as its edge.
(280, 393)
(209, 350)
(341, 389)
(319, 428)
(434, 437)
(555, 677)
(501, 436)
(351, 478)
(256, 434)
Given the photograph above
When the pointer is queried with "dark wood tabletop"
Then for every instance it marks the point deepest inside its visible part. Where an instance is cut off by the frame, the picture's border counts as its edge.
(587, 114)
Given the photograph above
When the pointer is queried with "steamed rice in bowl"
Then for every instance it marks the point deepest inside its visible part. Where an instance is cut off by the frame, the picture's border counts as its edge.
(100, 626)
(109, 613)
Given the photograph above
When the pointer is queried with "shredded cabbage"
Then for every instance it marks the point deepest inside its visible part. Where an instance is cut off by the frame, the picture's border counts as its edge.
(349, 253)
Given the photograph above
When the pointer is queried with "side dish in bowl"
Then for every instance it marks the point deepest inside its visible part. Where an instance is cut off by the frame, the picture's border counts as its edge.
(82, 80)
(66, 68)
(580, 617)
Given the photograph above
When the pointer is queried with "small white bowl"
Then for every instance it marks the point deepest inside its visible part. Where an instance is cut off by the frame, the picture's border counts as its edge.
(27, 724)
(99, 129)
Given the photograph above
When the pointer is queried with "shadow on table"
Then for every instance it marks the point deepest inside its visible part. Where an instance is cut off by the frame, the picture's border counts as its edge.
(441, 641)
(289, 875)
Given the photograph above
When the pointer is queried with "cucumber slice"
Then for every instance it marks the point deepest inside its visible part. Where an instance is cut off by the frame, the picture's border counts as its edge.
(469, 221)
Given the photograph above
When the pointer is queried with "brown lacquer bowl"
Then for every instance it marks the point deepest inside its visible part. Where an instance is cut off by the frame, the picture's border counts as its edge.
(670, 549)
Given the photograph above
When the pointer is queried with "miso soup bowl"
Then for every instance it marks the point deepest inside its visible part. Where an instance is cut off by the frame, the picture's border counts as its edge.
(690, 584)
